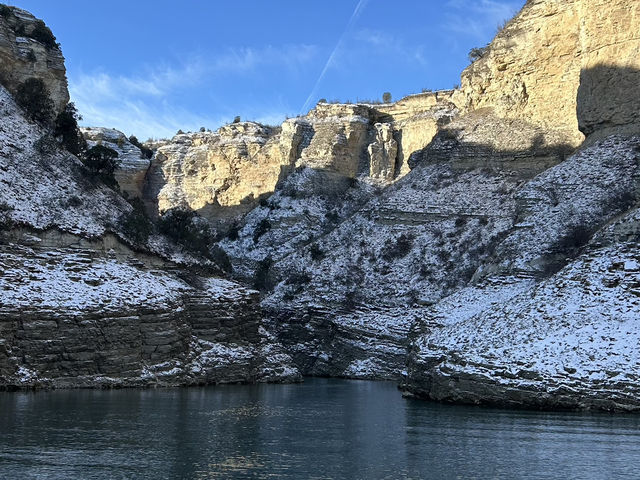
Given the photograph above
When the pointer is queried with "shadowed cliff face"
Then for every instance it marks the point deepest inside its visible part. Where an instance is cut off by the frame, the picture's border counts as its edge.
(608, 99)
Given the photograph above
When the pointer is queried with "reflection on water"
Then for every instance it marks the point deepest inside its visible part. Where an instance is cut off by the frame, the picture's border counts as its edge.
(322, 429)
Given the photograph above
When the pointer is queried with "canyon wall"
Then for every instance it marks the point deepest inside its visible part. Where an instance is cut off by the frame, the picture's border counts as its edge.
(23, 55)
(556, 58)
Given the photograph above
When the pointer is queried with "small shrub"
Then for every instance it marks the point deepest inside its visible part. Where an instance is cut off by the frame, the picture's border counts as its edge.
(135, 224)
(622, 200)
(332, 216)
(220, 257)
(460, 222)
(386, 97)
(66, 129)
(74, 201)
(144, 151)
(298, 278)
(33, 96)
(316, 253)
(236, 119)
(576, 237)
(412, 297)
(290, 190)
(234, 232)
(43, 34)
(263, 202)
(322, 100)
(398, 249)
(202, 129)
(6, 222)
(188, 229)
(179, 132)
(442, 255)
(45, 145)
(31, 56)
(477, 53)
(261, 277)
(102, 162)
(350, 300)
(263, 227)
(5, 11)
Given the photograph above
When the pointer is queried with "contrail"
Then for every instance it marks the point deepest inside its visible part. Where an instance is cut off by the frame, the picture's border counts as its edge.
(356, 13)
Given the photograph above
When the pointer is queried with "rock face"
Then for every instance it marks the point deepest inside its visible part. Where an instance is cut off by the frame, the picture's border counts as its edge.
(84, 314)
(221, 174)
(24, 55)
(383, 153)
(556, 57)
(132, 172)
(467, 243)
(225, 174)
(491, 256)
(545, 321)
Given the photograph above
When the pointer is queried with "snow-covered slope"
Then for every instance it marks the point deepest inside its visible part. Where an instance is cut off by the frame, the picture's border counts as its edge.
(80, 308)
(568, 340)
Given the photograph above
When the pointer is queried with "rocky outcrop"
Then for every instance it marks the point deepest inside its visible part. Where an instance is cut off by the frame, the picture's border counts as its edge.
(497, 207)
(340, 135)
(222, 174)
(24, 54)
(133, 165)
(383, 153)
(225, 174)
(545, 321)
(75, 314)
(555, 58)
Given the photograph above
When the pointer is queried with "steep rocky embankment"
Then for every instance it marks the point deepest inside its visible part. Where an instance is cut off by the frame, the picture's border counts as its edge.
(83, 301)
(500, 254)
(552, 320)
(479, 245)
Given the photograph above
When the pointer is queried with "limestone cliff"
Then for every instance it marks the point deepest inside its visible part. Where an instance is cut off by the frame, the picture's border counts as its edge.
(225, 174)
(487, 248)
(222, 174)
(556, 57)
(133, 165)
(27, 51)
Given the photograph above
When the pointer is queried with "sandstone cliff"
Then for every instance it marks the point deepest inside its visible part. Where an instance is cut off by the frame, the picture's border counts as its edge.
(559, 57)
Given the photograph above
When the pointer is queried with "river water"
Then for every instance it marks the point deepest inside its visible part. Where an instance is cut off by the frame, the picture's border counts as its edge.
(321, 429)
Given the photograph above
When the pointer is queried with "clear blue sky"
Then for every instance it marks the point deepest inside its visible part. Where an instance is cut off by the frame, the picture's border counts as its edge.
(151, 67)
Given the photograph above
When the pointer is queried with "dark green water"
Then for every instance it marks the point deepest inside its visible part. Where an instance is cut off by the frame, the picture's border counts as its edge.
(320, 429)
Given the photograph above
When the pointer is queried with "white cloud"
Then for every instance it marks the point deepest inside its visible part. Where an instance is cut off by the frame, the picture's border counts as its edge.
(142, 104)
(384, 43)
(479, 18)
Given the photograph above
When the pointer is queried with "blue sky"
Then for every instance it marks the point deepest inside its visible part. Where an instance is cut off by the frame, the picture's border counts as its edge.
(151, 67)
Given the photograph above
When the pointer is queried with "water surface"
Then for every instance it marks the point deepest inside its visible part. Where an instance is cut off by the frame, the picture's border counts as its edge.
(322, 429)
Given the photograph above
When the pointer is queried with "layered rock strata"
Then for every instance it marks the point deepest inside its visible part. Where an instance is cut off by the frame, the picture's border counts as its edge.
(23, 55)
(79, 307)
(133, 165)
